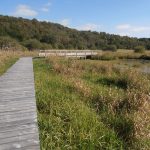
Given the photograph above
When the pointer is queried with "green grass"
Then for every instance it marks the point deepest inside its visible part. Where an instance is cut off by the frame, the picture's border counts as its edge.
(122, 54)
(7, 64)
(8, 58)
(90, 105)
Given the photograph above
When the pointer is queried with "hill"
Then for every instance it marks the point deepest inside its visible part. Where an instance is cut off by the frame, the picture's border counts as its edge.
(19, 32)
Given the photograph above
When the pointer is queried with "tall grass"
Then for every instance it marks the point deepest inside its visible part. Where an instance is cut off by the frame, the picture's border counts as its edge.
(8, 58)
(121, 55)
(91, 105)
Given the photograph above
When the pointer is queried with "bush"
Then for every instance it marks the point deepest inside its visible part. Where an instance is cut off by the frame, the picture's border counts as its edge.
(139, 49)
(8, 43)
(32, 44)
(45, 46)
(108, 56)
(111, 48)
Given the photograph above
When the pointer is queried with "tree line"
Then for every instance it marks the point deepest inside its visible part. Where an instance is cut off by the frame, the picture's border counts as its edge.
(20, 33)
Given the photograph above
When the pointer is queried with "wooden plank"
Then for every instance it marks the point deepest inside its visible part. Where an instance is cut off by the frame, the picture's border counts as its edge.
(19, 127)
(18, 124)
(18, 117)
(16, 133)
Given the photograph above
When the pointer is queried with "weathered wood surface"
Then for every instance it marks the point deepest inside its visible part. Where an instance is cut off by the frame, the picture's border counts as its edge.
(18, 118)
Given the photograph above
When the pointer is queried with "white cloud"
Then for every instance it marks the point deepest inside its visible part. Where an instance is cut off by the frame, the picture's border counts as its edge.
(137, 31)
(65, 22)
(25, 11)
(140, 29)
(123, 26)
(131, 28)
(89, 26)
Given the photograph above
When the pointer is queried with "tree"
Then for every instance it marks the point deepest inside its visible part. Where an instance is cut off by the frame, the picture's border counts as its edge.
(111, 48)
(51, 39)
(23, 31)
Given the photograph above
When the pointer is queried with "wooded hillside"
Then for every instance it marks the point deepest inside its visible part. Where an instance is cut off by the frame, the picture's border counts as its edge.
(19, 33)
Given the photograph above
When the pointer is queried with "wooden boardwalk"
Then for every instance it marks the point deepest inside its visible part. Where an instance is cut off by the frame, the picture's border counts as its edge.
(18, 118)
(68, 53)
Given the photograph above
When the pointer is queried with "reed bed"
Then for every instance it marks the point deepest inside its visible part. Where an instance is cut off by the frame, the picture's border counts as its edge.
(8, 58)
(121, 54)
(84, 104)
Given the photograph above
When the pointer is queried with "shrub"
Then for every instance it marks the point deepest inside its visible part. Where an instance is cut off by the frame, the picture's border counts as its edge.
(8, 43)
(111, 48)
(108, 56)
(32, 44)
(45, 46)
(139, 49)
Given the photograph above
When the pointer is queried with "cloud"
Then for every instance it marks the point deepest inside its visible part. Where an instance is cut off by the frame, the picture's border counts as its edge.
(138, 31)
(46, 7)
(25, 11)
(123, 26)
(141, 29)
(133, 28)
(89, 26)
(65, 22)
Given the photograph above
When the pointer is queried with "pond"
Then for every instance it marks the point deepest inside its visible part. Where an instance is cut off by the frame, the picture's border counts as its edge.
(140, 65)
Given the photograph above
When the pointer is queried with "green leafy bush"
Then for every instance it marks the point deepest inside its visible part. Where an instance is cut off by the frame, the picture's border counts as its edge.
(32, 44)
(111, 48)
(139, 49)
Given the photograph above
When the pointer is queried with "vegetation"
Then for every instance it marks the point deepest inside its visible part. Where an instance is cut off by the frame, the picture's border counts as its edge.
(6, 60)
(45, 35)
(111, 48)
(85, 104)
(7, 43)
(139, 49)
(32, 44)
(121, 54)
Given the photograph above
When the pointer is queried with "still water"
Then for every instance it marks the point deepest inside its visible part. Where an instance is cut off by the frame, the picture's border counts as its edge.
(140, 65)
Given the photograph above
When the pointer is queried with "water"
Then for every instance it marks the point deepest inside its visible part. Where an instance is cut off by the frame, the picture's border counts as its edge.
(141, 65)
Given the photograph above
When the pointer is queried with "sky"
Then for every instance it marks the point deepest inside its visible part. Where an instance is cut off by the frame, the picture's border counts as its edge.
(123, 17)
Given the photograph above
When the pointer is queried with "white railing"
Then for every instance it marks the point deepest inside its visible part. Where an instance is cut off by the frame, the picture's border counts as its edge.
(67, 53)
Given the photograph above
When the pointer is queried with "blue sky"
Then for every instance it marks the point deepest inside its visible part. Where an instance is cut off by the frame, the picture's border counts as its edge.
(123, 17)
